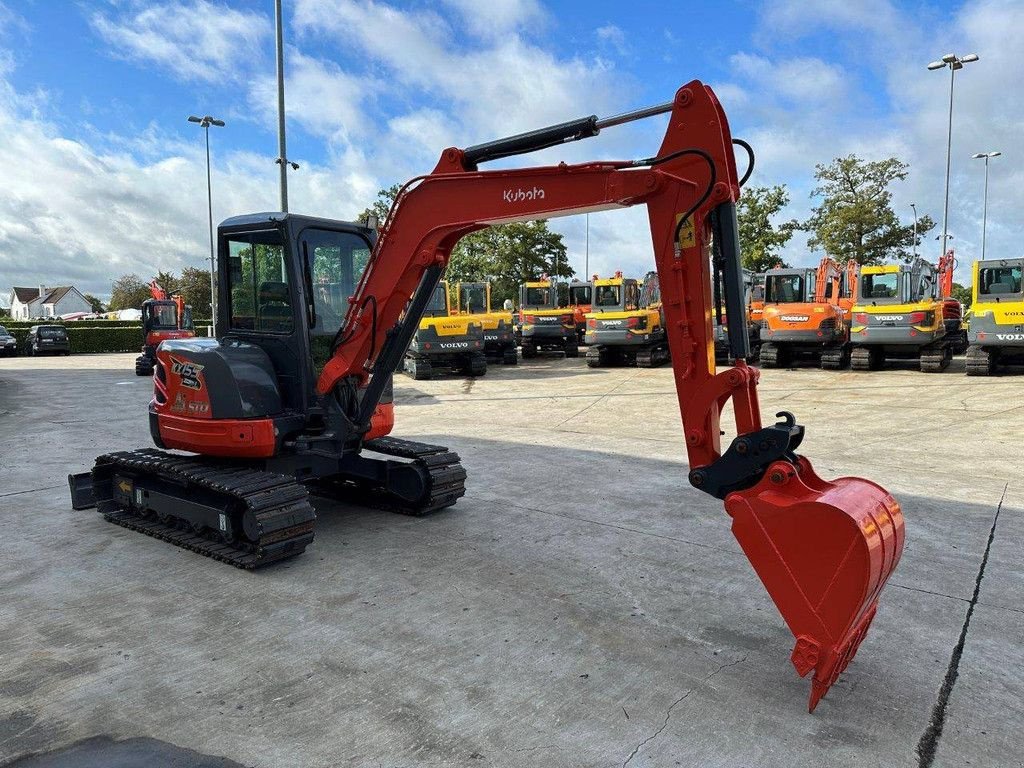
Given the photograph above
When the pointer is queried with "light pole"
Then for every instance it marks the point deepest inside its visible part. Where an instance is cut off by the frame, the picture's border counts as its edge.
(954, 63)
(586, 265)
(984, 214)
(282, 154)
(914, 249)
(205, 123)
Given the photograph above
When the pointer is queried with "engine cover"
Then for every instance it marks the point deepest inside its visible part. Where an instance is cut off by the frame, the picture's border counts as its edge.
(211, 379)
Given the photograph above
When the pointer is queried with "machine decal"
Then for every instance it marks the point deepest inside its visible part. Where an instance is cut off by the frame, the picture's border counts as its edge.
(1010, 336)
(454, 345)
(795, 318)
(687, 233)
(889, 318)
(188, 372)
(517, 195)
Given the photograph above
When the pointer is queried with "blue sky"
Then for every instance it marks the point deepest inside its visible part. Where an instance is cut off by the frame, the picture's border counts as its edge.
(104, 175)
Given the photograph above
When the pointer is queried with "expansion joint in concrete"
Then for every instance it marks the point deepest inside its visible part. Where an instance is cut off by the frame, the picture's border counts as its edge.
(929, 743)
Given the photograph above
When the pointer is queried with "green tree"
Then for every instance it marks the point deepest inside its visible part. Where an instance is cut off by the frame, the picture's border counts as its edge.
(96, 304)
(128, 292)
(962, 293)
(194, 287)
(380, 206)
(508, 255)
(760, 239)
(855, 218)
(167, 281)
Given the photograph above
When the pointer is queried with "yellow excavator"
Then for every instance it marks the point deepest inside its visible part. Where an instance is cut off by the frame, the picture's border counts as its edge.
(474, 300)
(544, 326)
(445, 340)
(996, 333)
(625, 325)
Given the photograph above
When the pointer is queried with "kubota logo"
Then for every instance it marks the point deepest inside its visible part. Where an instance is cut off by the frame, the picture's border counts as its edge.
(1010, 336)
(188, 371)
(795, 318)
(518, 195)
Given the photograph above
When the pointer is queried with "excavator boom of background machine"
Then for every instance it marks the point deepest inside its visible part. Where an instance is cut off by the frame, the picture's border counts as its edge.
(823, 549)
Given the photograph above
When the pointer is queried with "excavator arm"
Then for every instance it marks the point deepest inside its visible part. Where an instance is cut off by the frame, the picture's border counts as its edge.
(945, 268)
(823, 550)
(828, 272)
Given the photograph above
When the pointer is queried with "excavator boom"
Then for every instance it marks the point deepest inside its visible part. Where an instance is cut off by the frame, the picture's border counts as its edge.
(823, 550)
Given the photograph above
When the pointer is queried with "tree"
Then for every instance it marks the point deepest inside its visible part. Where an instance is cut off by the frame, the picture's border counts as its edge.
(194, 287)
(380, 206)
(760, 240)
(508, 255)
(167, 281)
(962, 293)
(855, 218)
(96, 304)
(128, 292)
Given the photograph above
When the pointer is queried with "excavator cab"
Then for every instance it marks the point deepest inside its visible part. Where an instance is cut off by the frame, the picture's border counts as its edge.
(447, 339)
(581, 299)
(543, 324)
(996, 333)
(162, 319)
(625, 325)
(901, 312)
(499, 336)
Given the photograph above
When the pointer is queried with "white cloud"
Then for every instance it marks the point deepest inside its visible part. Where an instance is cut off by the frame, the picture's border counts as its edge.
(613, 36)
(499, 17)
(83, 215)
(196, 40)
(327, 101)
(502, 86)
(805, 79)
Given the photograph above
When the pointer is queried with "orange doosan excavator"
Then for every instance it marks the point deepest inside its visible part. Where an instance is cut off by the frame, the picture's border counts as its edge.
(817, 326)
(295, 392)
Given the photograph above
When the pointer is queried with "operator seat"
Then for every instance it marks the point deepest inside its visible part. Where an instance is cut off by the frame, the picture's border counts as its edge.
(275, 307)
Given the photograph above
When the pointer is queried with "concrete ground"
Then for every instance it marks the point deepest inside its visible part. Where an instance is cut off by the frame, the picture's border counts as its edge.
(581, 606)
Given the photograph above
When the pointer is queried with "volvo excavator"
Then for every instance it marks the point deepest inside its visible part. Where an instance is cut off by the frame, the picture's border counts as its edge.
(295, 390)
(446, 340)
(905, 311)
(163, 317)
(474, 301)
(625, 325)
(996, 334)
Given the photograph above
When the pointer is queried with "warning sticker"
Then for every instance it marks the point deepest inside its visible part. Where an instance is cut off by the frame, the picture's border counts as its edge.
(687, 233)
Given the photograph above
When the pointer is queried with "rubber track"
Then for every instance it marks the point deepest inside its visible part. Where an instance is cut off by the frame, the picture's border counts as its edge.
(935, 359)
(979, 362)
(280, 505)
(769, 356)
(860, 359)
(832, 358)
(447, 478)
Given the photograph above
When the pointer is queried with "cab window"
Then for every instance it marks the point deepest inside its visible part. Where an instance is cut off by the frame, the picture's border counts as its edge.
(473, 299)
(537, 297)
(883, 286)
(999, 281)
(438, 304)
(334, 264)
(608, 296)
(163, 315)
(580, 294)
(784, 289)
(258, 291)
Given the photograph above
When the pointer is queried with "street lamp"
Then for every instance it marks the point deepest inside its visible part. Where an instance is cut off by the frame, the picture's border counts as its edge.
(205, 123)
(954, 63)
(984, 214)
(914, 249)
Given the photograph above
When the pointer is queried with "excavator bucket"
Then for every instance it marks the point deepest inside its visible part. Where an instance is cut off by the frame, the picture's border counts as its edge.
(824, 551)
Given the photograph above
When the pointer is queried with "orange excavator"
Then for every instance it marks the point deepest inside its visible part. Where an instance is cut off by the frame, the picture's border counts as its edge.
(291, 394)
(820, 328)
(163, 317)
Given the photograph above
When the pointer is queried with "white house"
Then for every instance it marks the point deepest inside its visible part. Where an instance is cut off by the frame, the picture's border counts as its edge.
(30, 303)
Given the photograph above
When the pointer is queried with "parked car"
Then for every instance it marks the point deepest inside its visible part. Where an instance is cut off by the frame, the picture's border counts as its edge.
(8, 344)
(47, 339)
